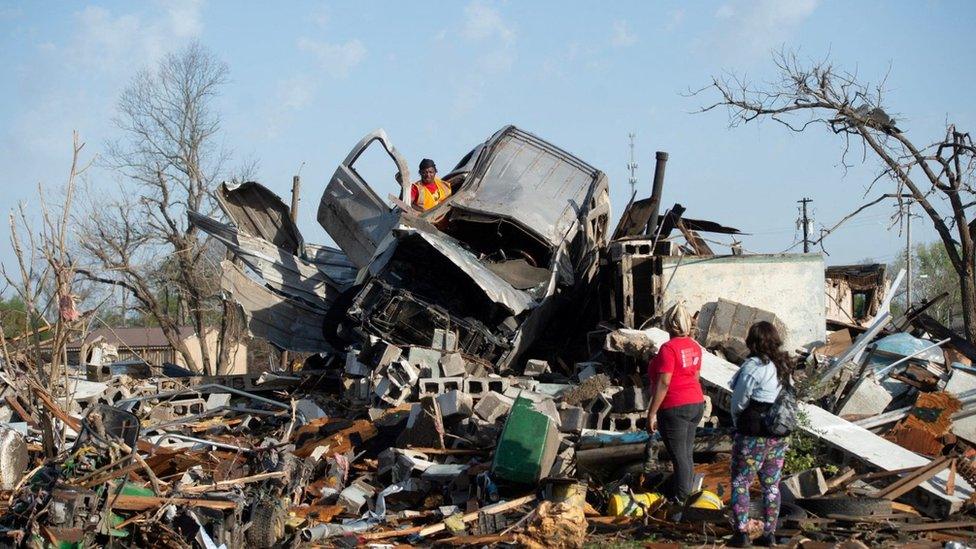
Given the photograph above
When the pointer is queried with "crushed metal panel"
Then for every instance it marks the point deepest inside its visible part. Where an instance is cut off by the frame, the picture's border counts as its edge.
(351, 212)
(283, 271)
(286, 323)
(634, 219)
(494, 286)
(531, 182)
(853, 440)
(259, 212)
(329, 259)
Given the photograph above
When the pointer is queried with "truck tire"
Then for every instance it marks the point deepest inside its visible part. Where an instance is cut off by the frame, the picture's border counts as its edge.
(267, 524)
(849, 506)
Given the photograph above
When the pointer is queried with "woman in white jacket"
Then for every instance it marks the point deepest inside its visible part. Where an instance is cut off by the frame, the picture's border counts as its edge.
(754, 450)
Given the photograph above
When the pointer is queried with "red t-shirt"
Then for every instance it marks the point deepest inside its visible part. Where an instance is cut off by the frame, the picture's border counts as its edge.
(681, 357)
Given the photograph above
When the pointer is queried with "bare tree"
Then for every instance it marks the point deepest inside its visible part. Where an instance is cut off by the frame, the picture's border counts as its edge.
(43, 281)
(938, 176)
(170, 159)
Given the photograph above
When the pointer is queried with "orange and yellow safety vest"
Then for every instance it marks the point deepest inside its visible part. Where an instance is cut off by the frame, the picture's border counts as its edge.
(426, 199)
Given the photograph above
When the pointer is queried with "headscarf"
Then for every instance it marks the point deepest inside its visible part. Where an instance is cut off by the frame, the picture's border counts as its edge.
(677, 320)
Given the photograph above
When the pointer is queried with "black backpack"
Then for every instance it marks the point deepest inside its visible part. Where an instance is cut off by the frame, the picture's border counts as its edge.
(779, 420)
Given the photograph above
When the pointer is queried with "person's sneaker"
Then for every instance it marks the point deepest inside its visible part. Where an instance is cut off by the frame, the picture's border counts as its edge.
(739, 539)
(765, 540)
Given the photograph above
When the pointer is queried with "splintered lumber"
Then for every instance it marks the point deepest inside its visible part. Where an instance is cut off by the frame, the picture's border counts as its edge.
(929, 526)
(128, 502)
(854, 441)
(492, 509)
(201, 488)
(906, 483)
(424, 531)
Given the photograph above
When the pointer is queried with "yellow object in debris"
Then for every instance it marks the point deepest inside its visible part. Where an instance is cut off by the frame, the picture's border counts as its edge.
(625, 505)
(707, 500)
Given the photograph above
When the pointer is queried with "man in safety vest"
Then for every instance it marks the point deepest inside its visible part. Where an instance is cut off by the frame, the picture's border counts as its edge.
(430, 190)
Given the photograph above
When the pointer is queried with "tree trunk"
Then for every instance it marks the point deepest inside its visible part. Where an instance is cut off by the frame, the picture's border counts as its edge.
(967, 287)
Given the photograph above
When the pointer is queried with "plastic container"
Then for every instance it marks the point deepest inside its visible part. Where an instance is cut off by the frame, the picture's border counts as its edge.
(625, 505)
(706, 500)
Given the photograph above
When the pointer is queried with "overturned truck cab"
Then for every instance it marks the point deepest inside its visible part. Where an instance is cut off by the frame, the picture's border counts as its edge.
(518, 237)
(517, 241)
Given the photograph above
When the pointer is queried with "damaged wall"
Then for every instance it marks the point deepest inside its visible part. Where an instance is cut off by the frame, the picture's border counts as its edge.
(791, 286)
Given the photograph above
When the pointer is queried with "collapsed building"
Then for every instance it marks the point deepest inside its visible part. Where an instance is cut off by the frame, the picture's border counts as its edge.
(475, 375)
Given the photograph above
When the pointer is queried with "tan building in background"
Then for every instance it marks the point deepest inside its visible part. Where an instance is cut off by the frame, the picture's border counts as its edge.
(151, 346)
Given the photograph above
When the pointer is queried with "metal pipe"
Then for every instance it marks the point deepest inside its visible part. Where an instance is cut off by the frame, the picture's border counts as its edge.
(205, 442)
(656, 189)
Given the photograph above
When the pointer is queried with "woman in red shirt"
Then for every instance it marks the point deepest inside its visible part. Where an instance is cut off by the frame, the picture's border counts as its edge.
(677, 400)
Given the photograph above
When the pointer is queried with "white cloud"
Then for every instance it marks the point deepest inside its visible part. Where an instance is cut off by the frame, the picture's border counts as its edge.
(291, 96)
(482, 21)
(622, 36)
(675, 18)
(184, 18)
(115, 42)
(750, 29)
(334, 59)
(320, 16)
(492, 39)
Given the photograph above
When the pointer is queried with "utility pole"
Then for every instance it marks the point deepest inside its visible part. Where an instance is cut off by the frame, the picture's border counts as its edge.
(908, 256)
(805, 220)
(632, 165)
(296, 184)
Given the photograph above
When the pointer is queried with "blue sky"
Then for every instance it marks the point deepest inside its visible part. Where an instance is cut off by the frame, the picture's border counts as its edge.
(308, 79)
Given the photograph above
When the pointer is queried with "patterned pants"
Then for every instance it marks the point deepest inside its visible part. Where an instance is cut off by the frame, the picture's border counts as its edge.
(752, 455)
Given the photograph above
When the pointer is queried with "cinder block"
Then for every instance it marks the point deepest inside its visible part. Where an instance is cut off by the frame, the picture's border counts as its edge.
(534, 367)
(624, 422)
(356, 390)
(572, 419)
(425, 426)
(379, 354)
(586, 370)
(630, 399)
(598, 410)
(475, 369)
(493, 406)
(403, 374)
(424, 358)
(354, 367)
(867, 398)
(216, 400)
(444, 340)
(565, 464)
(478, 387)
(353, 497)
(455, 404)
(389, 392)
(436, 386)
(452, 365)
(309, 409)
(805, 484)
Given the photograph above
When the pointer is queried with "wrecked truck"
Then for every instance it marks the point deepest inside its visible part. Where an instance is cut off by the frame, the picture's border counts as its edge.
(516, 242)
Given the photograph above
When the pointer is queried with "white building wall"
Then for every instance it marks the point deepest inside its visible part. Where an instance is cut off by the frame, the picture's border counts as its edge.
(791, 286)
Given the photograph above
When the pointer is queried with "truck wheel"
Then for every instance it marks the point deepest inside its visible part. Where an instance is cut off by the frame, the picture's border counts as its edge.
(267, 524)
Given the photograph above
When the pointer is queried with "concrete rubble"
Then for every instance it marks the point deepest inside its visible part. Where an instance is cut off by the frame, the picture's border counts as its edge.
(483, 387)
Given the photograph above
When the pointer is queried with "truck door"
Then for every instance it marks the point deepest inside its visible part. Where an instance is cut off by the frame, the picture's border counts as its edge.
(351, 212)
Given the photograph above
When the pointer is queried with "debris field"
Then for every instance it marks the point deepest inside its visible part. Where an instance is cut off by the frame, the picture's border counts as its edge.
(475, 374)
